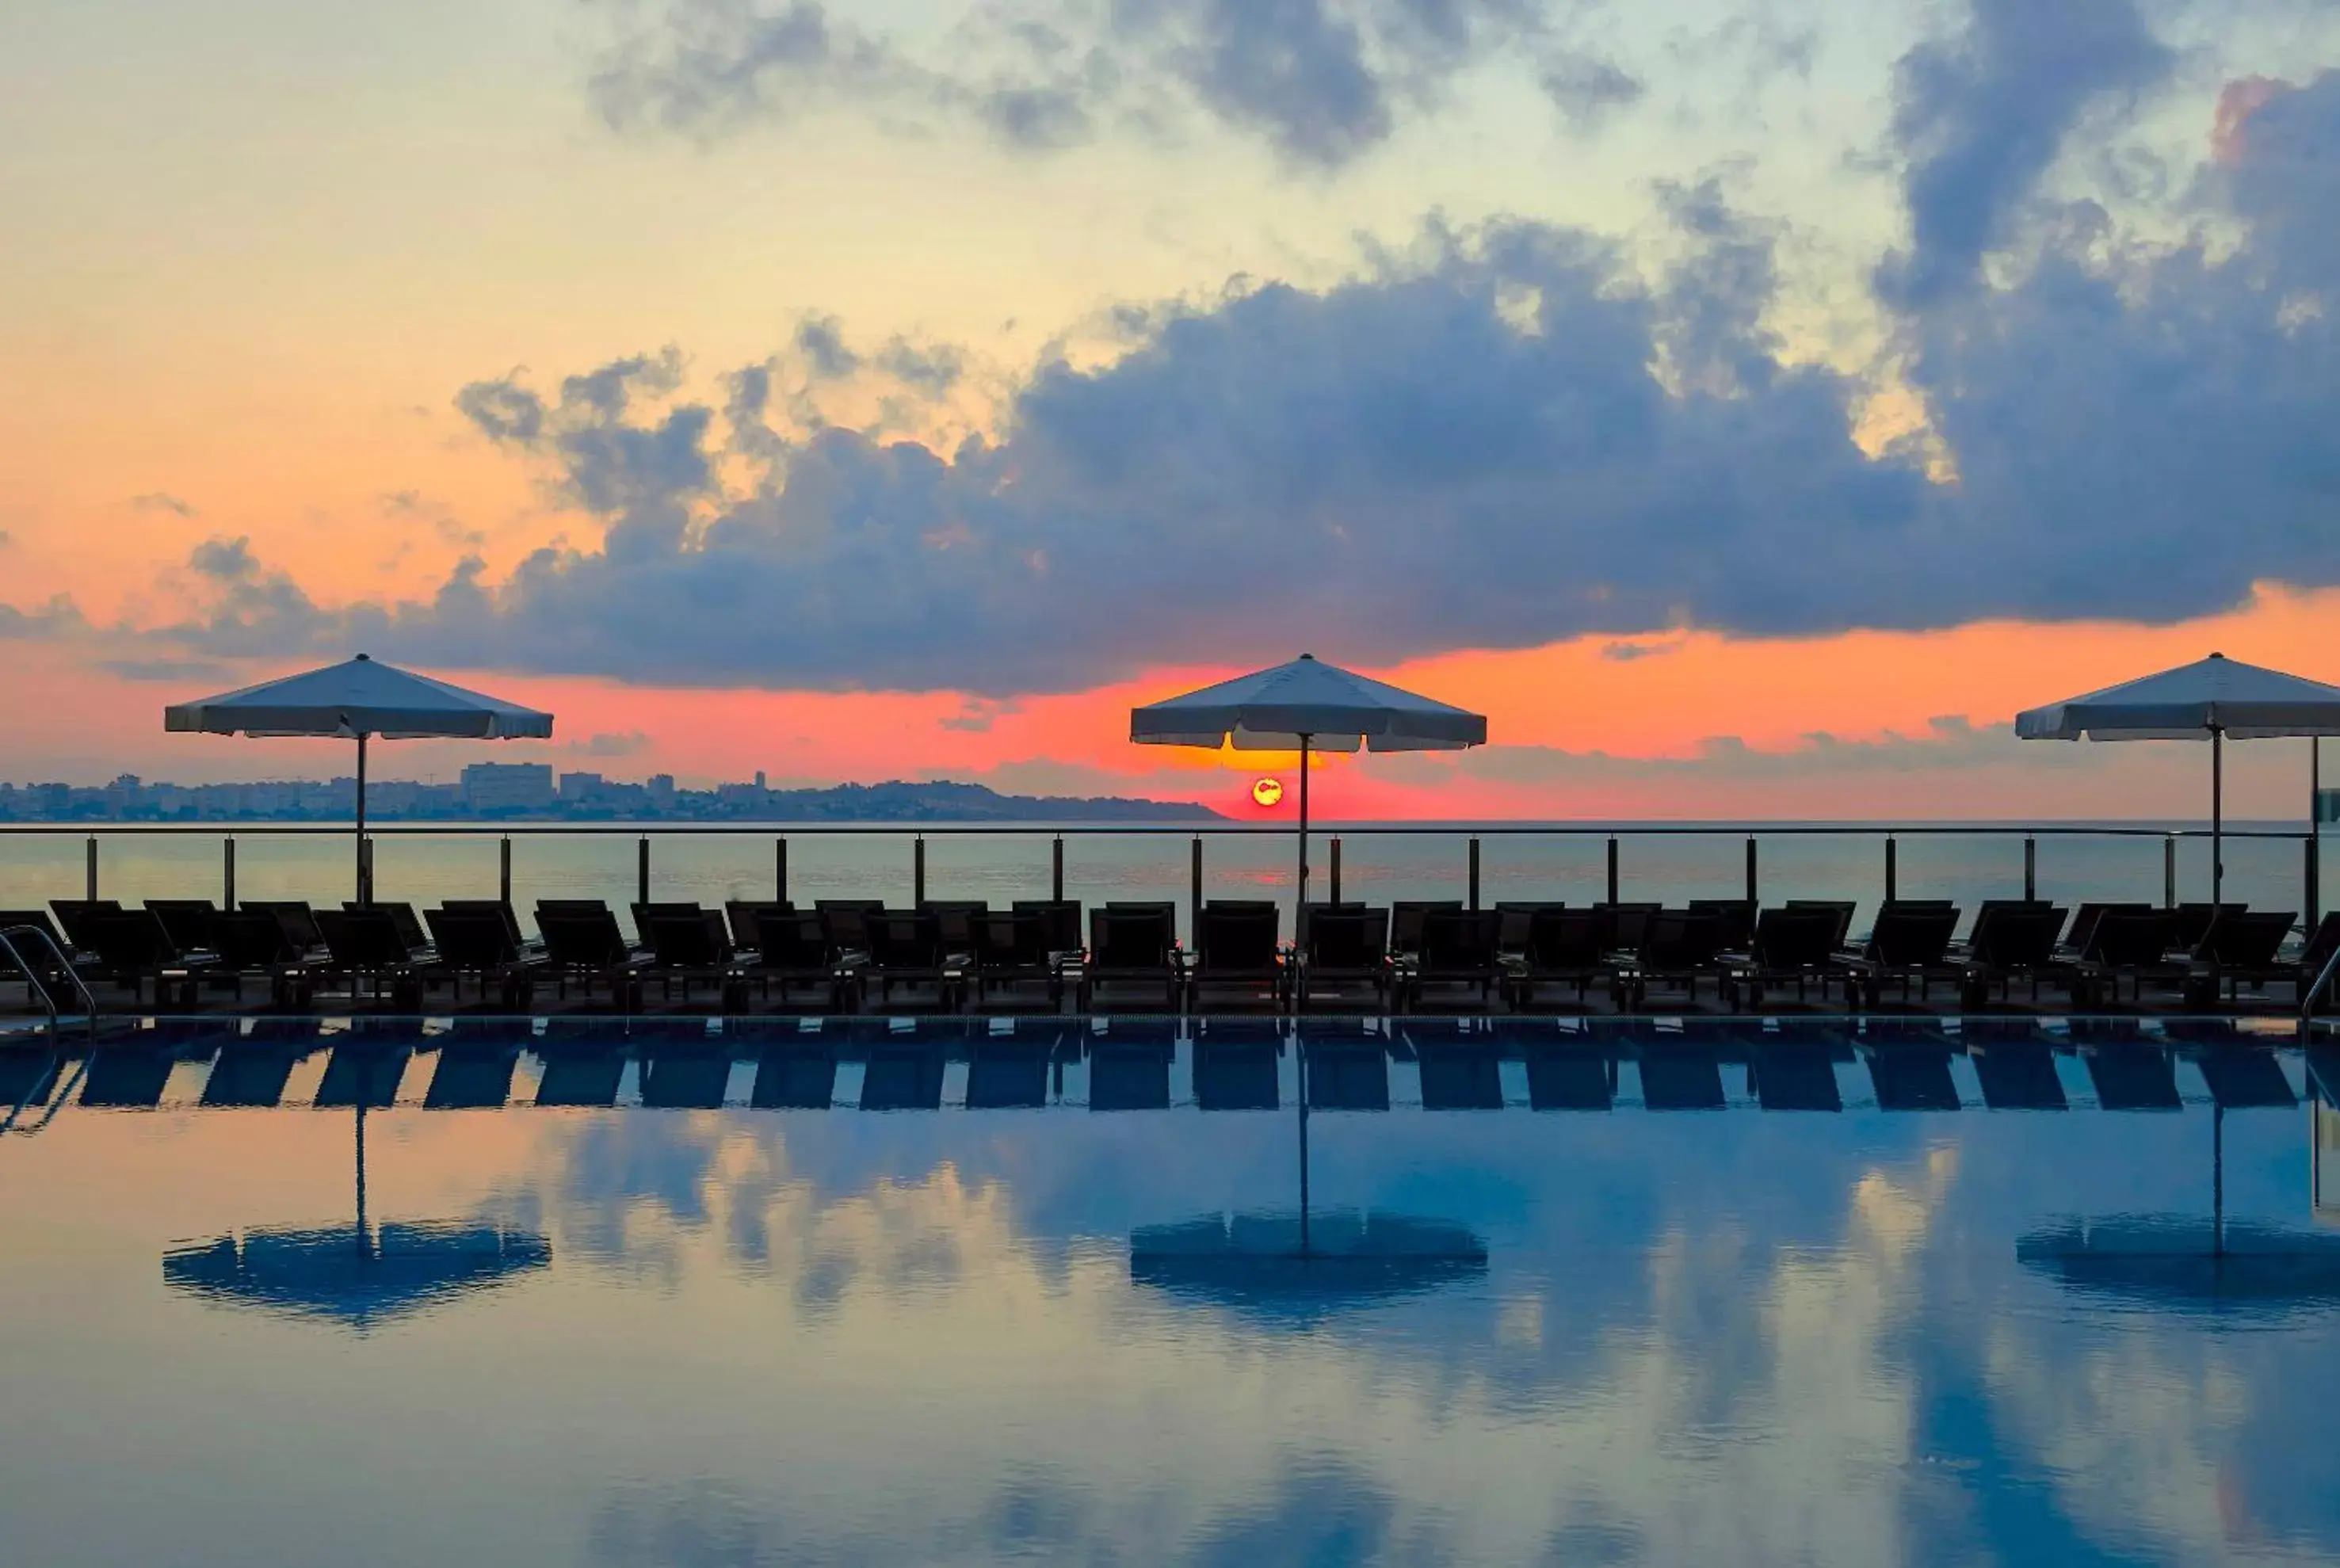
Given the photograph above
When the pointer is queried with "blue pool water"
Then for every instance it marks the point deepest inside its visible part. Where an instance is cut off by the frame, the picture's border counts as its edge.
(1005, 1322)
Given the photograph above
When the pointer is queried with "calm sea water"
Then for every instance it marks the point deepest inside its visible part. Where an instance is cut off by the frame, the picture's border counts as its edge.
(630, 1337)
(1570, 866)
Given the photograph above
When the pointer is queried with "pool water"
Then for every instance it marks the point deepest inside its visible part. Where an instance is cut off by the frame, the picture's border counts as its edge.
(360, 1298)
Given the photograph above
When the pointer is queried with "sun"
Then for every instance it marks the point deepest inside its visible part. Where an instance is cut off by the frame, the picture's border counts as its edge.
(1268, 792)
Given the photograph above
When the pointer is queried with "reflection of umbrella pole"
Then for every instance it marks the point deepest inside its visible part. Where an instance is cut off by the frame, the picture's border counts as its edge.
(2217, 1180)
(1299, 1049)
(363, 1244)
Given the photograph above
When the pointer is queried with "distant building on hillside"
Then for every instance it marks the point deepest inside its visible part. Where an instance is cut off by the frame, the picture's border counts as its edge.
(508, 786)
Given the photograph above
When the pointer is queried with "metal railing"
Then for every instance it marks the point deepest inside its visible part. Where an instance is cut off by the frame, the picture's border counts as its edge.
(39, 987)
(1615, 835)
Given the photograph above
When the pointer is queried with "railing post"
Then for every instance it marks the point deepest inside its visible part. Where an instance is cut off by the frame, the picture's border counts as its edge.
(917, 870)
(227, 874)
(1612, 867)
(1474, 876)
(2030, 869)
(781, 869)
(2169, 872)
(1892, 869)
(92, 868)
(1056, 871)
(642, 869)
(1336, 869)
(1194, 890)
(1752, 896)
(503, 871)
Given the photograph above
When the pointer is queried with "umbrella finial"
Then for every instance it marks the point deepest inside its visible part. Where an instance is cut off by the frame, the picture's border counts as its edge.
(2218, 656)
(1309, 658)
(368, 658)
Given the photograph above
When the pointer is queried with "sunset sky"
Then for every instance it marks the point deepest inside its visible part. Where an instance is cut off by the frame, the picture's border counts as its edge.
(1749, 404)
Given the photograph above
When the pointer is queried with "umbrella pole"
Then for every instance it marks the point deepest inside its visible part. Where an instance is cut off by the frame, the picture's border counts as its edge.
(365, 893)
(1300, 908)
(2218, 813)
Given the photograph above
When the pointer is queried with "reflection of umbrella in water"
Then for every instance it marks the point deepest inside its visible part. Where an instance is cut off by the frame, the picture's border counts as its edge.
(1298, 1265)
(2189, 1264)
(1256, 1260)
(359, 1275)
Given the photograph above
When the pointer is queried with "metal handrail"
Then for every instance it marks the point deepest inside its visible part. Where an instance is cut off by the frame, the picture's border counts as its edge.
(2322, 982)
(56, 1101)
(65, 967)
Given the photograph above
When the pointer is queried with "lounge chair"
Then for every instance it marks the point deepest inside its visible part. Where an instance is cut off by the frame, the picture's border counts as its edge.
(248, 942)
(793, 954)
(1062, 917)
(1513, 921)
(42, 955)
(906, 952)
(2193, 922)
(2243, 949)
(1407, 917)
(1736, 916)
(77, 916)
(1679, 948)
(188, 921)
(1621, 926)
(298, 920)
(1909, 943)
(2131, 946)
(1133, 958)
(1344, 962)
(479, 943)
(1563, 948)
(583, 947)
(1458, 961)
(1012, 964)
(365, 949)
(955, 919)
(745, 917)
(846, 923)
(689, 945)
(2012, 940)
(2085, 919)
(1842, 909)
(402, 920)
(1237, 960)
(133, 947)
(1794, 946)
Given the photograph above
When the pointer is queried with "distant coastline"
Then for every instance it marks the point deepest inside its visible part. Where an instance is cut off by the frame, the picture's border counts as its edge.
(132, 799)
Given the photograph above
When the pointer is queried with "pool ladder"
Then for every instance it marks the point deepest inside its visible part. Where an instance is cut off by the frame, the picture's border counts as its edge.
(42, 1088)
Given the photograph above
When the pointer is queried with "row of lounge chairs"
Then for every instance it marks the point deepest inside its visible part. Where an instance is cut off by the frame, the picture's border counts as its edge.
(851, 954)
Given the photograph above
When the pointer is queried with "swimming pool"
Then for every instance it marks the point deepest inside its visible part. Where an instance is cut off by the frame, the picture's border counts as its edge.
(656, 1291)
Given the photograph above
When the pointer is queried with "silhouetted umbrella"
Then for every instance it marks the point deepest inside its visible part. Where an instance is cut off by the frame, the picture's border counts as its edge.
(1307, 706)
(354, 700)
(1260, 1261)
(2214, 699)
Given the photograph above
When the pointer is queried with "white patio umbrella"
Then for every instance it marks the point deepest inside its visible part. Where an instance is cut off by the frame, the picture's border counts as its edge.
(1307, 706)
(2217, 699)
(352, 701)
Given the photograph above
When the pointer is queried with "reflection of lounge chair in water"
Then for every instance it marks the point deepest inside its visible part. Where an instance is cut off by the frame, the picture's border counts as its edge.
(472, 1077)
(2016, 1075)
(1345, 1066)
(902, 1077)
(1009, 1071)
(126, 1078)
(1235, 1065)
(1794, 1075)
(1129, 1067)
(1913, 1078)
(686, 1078)
(250, 1075)
(366, 1075)
(2245, 1077)
(580, 1076)
(799, 1078)
(1460, 1071)
(1572, 1077)
(2133, 1078)
(1680, 1077)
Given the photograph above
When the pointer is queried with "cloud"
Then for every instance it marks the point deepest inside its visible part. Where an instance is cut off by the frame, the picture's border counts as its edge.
(1980, 115)
(632, 743)
(163, 669)
(1587, 89)
(1321, 81)
(160, 501)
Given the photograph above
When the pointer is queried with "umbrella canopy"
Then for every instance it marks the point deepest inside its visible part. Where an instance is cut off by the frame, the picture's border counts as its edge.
(2217, 695)
(1310, 702)
(2214, 699)
(352, 701)
(1307, 706)
(357, 699)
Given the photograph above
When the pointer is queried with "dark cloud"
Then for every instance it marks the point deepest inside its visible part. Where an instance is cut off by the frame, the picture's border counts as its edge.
(162, 501)
(1587, 89)
(1321, 82)
(629, 743)
(165, 668)
(1980, 115)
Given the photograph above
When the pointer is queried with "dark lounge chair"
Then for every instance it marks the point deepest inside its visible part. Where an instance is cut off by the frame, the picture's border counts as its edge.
(2012, 940)
(298, 920)
(188, 921)
(1344, 962)
(404, 920)
(1012, 964)
(1563, 948)
(688, 947)
(479, 944)
(793, 955)
(1457, 966)
(2192, 922)
(367, 953)
(584, 948)
(1133, 960)
(745, 919)
(1062, 918)
(1407, 917)
(846, 921)
(1679, 948)
(133, 947)
(250, 943)
(2129, 945)
(1621, 926)
(2243, 949)
(907, 958)
(1910, 944)
(1736, 916)
(1795, 945)
(1237, 961)
(77, 916)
